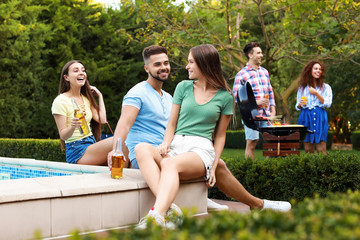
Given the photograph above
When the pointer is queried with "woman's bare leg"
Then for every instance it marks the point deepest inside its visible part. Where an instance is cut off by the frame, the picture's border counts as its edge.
(321, 147)
(149, 159)
(96, 154)
(183, 166)
(309, 147)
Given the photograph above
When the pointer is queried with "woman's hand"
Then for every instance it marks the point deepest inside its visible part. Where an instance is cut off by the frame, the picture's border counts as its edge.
(75, 123)
(312, 91)
(302, 102)
(212, 179)
(164, 149)
(95, 91)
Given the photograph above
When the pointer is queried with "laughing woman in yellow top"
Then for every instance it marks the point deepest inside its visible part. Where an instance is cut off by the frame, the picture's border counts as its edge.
(81, 149)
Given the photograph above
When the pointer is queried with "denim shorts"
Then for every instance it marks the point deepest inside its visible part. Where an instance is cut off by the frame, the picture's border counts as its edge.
(251, 134)
(75, 150)
(199, 145)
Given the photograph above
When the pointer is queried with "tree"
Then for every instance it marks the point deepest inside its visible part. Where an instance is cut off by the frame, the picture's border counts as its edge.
(291, 32)
(39, 36)
(22, 40)
(345, 111)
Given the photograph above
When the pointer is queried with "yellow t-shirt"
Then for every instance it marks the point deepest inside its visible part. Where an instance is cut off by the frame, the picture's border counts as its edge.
(62, 105)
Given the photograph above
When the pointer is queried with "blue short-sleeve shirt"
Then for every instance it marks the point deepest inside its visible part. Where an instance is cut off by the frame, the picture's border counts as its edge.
(153, 116)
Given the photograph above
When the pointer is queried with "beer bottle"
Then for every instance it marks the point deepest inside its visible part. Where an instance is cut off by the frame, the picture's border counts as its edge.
(84, 129)
(117, 161)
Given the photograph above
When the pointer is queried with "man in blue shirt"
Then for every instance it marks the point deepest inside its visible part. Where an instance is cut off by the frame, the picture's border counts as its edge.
(146, 107)
(144, 117)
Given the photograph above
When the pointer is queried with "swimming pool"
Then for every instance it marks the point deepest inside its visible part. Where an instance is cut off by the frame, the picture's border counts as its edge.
(31, 168)
(10, 172)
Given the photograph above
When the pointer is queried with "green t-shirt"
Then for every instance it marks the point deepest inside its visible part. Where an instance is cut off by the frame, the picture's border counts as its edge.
(200, 120)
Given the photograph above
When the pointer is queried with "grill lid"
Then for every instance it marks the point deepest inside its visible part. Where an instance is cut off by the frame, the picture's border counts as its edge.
(247, 105)
(249, 113)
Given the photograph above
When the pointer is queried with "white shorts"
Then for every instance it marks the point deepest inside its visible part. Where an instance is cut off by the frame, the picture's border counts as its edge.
(199, 145)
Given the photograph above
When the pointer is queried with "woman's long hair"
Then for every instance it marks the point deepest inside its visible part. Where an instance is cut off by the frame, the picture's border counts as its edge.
(64, 86)
(307, 79)
(208, 60)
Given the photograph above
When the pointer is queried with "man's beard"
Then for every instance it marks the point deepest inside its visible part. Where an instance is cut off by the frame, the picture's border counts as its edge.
(158, 78)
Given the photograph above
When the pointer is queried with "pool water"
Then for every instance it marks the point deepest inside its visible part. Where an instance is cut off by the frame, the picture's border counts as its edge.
(7, 172)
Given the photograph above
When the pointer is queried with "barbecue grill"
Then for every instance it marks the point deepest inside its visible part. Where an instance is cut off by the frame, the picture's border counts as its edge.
(250, 115)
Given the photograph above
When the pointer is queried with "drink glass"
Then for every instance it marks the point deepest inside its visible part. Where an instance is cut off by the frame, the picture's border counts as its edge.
(305, 100)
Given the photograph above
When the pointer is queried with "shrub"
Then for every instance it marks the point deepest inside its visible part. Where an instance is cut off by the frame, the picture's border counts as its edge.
(41, 149)
(355, 140)
(329, 140)
(236, 139)
(295, 177)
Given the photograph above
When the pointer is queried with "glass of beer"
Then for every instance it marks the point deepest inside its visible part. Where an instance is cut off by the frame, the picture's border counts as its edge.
(117, 166)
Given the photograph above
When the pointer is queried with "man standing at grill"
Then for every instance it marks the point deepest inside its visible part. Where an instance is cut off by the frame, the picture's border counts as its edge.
(258, 77)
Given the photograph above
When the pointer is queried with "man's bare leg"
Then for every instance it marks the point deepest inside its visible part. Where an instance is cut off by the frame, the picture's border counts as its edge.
(231, 187)
(250, 148)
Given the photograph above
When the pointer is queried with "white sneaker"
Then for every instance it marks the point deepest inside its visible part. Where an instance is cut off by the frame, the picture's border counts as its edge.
(154, 217)
(174, 211)
(277, 205)
(174, 216)
(211, 205)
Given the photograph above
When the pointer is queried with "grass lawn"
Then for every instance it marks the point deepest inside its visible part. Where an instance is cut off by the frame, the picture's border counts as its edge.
(239, 153)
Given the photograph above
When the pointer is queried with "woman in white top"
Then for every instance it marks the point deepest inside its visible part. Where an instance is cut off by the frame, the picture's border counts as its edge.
(80, 148)
(313, 97)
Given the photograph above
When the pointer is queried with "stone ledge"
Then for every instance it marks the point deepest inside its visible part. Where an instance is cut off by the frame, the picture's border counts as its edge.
(58, 205)
(74, 185)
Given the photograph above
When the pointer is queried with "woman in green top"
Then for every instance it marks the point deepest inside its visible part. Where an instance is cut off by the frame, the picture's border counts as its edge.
(195, 135)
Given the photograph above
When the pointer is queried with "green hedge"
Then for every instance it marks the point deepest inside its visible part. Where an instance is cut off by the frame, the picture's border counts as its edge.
(334, 217)
(355, 139)
(295, 177)
(329, 140)
(49, 149)
(236, 139)
(41, 149)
